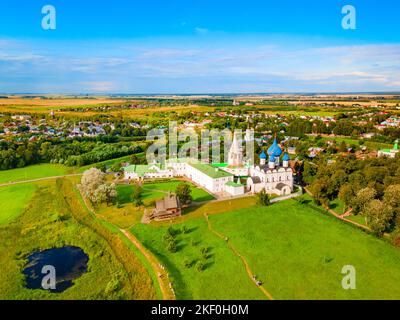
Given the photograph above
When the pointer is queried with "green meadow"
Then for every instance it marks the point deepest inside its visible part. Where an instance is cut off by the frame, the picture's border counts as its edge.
(224, 276)
(198, 194)
(298, 252)
(13, 200)
(157, 190)
(56, 216)
(37, 171)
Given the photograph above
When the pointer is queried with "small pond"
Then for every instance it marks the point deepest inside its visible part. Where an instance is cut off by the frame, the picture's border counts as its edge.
(69, 262)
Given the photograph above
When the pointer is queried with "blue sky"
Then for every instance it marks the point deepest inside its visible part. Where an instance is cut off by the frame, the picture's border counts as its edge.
(195, 46)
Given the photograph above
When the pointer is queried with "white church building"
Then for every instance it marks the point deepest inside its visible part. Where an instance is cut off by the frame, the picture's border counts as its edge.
(276, 176)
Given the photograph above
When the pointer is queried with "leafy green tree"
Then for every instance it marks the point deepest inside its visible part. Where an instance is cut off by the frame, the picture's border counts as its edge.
(392, 198)
(183, 192)
(362, 199)
(94, 187)
(137, 195)
(378, 215)
(346, 194)
(342, 147)
(171, 246)
(319, 191)
(200, 266)
(263, 198)
(116, 167)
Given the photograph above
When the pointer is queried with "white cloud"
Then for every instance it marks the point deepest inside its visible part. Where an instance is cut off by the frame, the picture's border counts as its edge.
(201, 31)
(173, 66)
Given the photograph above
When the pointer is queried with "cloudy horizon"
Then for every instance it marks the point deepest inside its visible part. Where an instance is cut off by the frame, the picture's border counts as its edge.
(200, 58)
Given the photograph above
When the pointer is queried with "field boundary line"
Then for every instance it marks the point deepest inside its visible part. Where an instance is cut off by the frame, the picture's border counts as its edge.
(39, 179)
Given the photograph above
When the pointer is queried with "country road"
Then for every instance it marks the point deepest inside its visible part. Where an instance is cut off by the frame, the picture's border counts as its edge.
(39, 179)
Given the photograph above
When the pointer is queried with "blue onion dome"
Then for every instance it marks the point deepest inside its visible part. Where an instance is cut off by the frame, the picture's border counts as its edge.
(275, 150)
(263, 155)
(285, 157)
(272, 158)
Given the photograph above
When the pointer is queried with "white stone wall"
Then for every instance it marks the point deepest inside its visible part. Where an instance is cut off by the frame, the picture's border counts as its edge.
(234, 191)
(130, 176)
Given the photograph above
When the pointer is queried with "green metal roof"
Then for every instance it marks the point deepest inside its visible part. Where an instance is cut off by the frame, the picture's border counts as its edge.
(212, 172)
(142, 169)
(219, 165)
(233, 184)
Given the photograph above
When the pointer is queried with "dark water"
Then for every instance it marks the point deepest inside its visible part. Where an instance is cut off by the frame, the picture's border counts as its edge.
(70, 263)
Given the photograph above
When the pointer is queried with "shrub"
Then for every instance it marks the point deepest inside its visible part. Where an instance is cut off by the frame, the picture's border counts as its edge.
(171, 246)
(200, 266)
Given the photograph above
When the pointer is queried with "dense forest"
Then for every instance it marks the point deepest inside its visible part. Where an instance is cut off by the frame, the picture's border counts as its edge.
(70, 153)
(370, 187)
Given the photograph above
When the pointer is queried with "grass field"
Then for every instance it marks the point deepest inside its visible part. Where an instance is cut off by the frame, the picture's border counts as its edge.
(224, 276)
(198, 194)
(297, 251)
(33, 172)
(157, 190)
(13, 200)
(337, 205)
(55, 217)
(359, 219)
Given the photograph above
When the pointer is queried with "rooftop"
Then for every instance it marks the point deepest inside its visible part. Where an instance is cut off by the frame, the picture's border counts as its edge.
(141, 169)
(233, 184)
(210, 171)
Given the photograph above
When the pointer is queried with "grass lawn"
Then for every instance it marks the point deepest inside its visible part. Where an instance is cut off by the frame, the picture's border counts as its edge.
(124, 194)
(299, 253)
(198, 194)
(359, 219)
(13, 200)
(224, 276)
(337, 205)
(34, 172)
(157, 190)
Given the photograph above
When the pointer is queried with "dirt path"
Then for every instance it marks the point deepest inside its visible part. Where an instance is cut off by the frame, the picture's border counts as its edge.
(158, 269)
(39, 179)
(341, 217)
(244, 261)
(162, 275)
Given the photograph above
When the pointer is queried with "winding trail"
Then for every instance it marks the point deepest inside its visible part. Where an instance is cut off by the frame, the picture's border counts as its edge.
(341, 217)
(162, 274)
(236, 252)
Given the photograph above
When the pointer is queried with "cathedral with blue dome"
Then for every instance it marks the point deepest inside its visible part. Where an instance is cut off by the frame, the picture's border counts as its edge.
(273, 173)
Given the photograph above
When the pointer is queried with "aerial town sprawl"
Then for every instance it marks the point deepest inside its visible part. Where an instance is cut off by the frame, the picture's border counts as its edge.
(222, 154)
(319, 166)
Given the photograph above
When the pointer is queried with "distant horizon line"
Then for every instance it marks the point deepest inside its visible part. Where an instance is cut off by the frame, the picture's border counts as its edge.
(206, 94)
